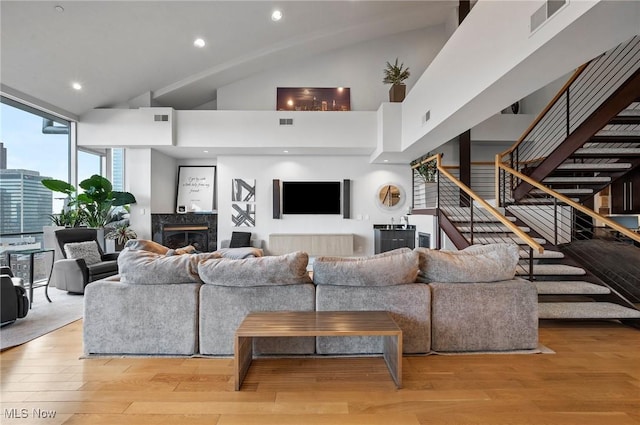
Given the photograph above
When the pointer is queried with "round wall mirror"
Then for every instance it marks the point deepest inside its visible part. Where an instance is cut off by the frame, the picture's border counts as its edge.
(390, 196)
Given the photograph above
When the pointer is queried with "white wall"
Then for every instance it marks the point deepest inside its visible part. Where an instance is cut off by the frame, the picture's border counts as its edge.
(485, 67)
(138, 172)
(164, 171)
(358, 67)
(365, 178)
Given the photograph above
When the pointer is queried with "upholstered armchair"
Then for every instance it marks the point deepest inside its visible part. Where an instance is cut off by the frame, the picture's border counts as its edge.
(83, 260)
(15, 303)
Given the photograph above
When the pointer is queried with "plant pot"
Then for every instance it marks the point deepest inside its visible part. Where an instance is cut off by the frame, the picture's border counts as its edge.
(397, 92)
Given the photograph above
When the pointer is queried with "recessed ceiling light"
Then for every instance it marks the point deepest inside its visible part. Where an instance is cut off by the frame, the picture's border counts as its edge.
(76, 86)
(199, 42)
(385, 160)
(285, 151)
(205, 151)
(59, 8)
(276, 15)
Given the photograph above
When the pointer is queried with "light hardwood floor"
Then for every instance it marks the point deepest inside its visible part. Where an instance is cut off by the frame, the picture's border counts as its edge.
(593, 379)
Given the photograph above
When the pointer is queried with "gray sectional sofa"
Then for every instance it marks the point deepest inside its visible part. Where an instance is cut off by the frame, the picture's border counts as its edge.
(191, 304)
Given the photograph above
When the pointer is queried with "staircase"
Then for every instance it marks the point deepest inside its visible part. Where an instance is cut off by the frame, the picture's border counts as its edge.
(565, 289)
(587, 138)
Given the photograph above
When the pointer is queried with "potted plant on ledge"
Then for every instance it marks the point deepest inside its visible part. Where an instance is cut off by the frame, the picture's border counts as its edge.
(395, 75)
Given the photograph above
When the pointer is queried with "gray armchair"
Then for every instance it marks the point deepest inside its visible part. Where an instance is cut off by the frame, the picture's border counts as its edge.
(73, 274)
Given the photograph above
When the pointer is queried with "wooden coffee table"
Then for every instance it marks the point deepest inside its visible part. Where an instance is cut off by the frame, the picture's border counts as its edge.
(318, 323)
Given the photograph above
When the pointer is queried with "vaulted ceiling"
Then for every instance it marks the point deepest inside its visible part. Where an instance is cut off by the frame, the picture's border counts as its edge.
(119, 50)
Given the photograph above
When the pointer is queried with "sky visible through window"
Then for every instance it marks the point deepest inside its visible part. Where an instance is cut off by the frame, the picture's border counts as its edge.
(28, 148)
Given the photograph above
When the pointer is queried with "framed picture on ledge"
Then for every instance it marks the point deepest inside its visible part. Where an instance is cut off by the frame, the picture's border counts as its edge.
(196, 191)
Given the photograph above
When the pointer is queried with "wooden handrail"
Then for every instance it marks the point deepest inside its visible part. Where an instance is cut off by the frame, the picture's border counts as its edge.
(541, 115)
(431, 158)
(512, 227)
(632, 235)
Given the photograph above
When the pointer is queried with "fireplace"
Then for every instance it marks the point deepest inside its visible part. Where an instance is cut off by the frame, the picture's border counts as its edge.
(179, 235)
(179, 230)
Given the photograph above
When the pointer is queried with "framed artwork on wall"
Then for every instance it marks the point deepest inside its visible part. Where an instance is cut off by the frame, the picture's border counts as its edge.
(243, 214)
(243, 198)
(196, 189)
(313, 99)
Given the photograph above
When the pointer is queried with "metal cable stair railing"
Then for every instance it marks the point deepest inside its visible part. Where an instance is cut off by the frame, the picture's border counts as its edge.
(604, 249)
(467, 219)
(590, 122)
(586, 138)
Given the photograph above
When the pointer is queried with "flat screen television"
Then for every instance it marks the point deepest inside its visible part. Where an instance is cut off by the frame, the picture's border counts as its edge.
(312, 197)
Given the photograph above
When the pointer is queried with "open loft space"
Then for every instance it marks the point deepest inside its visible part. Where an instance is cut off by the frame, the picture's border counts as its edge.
(327, 212)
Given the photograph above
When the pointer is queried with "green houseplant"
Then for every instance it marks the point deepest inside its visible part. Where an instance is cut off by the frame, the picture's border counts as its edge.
(396, 75)
(121, 234)
(96, 204)
(426, 170)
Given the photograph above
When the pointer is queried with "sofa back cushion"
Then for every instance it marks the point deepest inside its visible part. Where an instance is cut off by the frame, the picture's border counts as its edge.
(378, 270)
(146, 267)
(287, 269)
(478, 263)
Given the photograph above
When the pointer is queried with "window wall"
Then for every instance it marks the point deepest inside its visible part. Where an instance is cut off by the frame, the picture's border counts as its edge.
(33, 146)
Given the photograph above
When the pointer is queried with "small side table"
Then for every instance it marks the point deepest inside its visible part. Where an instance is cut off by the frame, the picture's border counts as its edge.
(31, 283)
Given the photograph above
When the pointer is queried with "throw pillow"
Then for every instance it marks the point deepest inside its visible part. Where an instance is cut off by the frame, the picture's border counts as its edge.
(88, 251)
(478, 263)
(380, 270)
(240, 239)
(288, 269)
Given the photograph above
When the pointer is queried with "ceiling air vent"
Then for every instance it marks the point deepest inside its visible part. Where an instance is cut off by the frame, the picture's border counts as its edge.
(161, 117)
(286, 121)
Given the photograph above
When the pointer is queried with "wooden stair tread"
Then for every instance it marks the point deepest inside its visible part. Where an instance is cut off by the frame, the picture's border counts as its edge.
(585, 310)
(580, 191)
(569, 287)
(477, 219)
(490, 228)
(595, 166)
(505, 239)
(607, 151)
(550, 270)
(577, 180)
(524, 254)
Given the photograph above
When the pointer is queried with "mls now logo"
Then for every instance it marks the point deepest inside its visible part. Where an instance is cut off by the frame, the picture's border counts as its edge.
(16, 413)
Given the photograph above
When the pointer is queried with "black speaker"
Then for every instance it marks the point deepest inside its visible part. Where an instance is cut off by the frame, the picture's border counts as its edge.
(346, 198)
(276, 198)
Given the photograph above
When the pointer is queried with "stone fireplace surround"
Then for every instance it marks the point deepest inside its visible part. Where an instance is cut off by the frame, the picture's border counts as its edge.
(160, 221)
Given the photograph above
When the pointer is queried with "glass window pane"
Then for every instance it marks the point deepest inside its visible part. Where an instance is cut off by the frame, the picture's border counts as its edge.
(32, 148)
(88, 164)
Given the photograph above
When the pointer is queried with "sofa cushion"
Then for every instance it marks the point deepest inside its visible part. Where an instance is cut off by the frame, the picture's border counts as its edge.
(378, 270)
(145, 267)
(287, 269)
(479, 263)
(88, 251)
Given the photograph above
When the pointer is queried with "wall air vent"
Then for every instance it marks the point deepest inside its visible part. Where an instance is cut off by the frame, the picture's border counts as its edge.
(161, 117)
(545, 12)
(286, 121)
(426, 117)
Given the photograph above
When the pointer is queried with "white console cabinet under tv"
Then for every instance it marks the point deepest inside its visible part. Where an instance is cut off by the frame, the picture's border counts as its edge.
(335, 244)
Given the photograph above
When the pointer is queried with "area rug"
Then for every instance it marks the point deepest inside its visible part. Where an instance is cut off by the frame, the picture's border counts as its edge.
(43, 317)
